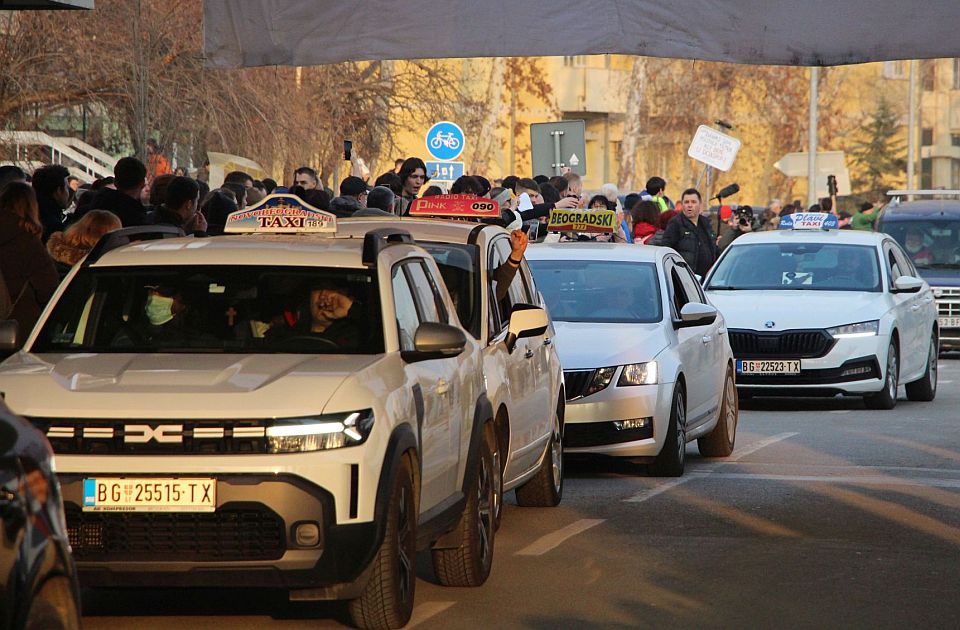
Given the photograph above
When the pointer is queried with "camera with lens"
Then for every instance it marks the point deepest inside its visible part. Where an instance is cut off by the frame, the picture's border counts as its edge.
(744, 215)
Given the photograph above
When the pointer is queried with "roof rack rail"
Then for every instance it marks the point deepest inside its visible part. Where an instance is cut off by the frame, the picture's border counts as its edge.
(377, 240)
(925, 192)
(125, 236)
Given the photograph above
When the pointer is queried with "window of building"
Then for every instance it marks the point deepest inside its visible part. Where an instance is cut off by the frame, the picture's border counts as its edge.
(956, 74)
(928, 75)
(575, 61)
(926, 137)
(955, 139)
(899, 69)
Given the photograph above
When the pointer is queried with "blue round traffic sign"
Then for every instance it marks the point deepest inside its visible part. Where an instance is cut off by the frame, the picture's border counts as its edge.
(445, 141)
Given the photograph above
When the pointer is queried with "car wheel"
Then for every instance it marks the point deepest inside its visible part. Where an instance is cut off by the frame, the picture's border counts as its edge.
(387, 599)
(887, 397)
(54, 607)
(926, 388)
(470, 563)
(546, 488)
(719, 442)
(670, 460)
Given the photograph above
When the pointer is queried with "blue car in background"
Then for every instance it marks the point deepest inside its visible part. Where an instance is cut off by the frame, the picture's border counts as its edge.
(929, 231)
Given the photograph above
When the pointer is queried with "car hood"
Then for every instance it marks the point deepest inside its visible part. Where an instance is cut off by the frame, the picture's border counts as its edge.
(590, 345)
(158, 384)
(790, 310)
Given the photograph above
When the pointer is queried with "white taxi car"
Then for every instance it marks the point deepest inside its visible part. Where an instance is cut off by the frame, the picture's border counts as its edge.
(817, 311)
(523, 376)
(646, 361)
(291, 411)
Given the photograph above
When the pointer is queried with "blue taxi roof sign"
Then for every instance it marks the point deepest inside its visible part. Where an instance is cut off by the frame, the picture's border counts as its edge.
(809, 221)
(281, 214)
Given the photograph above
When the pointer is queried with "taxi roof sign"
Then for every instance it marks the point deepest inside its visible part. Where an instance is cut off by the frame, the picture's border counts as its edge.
(809, 221)
(578, 220)
(455, 207)
(281, 214)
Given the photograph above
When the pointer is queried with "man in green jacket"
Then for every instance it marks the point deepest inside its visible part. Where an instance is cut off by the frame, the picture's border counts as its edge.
(865, 218)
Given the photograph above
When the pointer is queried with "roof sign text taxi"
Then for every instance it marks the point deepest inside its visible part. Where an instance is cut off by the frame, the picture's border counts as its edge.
(809, 221)
(281, 214)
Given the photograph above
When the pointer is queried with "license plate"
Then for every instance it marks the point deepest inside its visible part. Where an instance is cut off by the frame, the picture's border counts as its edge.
(949, 322)
(108, 494)
(768, 367)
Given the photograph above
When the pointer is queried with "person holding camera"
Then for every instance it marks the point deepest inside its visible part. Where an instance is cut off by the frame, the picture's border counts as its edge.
(741, 222)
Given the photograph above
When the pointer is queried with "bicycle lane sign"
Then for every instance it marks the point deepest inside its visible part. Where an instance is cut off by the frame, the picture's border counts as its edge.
(445, 141)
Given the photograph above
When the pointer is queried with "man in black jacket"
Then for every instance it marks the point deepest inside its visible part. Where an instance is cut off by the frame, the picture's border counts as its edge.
(130, 177)
(691, 235)
(53, 195)
(180, 208)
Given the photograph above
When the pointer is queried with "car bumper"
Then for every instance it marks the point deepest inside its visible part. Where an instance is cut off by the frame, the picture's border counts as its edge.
(251, 539)
(589, 422)
(950, 339)
(852, 366)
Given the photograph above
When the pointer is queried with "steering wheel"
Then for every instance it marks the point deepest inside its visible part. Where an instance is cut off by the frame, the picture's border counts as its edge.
(306, 339)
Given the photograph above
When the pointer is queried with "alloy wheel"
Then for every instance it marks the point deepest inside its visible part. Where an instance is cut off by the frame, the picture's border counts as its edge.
(485, 501)
(556, 454)
(405, 565)
(892, 373)
(681, 428)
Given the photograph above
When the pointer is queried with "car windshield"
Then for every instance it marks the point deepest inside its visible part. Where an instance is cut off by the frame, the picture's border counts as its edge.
(458, 265)
(217, 309)
(930, 244)
(798, 266)
(599, 291)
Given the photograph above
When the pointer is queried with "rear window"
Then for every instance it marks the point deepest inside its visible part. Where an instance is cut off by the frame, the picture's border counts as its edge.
(599, 291)
(218, 309)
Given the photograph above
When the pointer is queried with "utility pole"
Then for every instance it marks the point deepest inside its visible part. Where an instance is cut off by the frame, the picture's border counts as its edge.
(812, 148)
(912, 127)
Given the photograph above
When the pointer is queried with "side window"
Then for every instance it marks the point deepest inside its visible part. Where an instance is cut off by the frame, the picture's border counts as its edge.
(676, 290)
(892, 265)
(516, 292)
(406, 309)
(431, 307)
(690, 285)
(903, 262)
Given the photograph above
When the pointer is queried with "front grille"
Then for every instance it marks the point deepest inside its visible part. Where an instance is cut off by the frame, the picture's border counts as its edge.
(89, 436)
(576, 382)
(791, 344)
(860, 369)
(248, 532)
(600, 433)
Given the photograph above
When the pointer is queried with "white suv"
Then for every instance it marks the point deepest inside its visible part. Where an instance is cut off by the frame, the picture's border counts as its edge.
(301, 412)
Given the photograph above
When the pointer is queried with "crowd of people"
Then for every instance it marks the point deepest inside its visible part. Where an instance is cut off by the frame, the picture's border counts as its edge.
(50, 220)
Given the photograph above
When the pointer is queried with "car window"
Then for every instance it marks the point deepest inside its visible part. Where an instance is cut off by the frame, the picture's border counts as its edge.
(599, 290)
(797, 266)
(927, 243)
(691, 288)
(903, 261)
(216, 309)
(893, 267)
(517, 292)
(458, 266)
(406, 309)
(678, 294)
(431, 306)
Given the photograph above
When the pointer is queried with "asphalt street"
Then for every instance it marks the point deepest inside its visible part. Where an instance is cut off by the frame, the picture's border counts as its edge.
(827, 514)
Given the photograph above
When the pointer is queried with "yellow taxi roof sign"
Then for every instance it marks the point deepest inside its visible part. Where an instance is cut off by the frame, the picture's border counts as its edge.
(281, 214)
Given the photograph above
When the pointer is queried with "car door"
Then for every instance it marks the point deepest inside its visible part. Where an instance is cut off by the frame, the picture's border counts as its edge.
(694, 343)
(712, 339)
(431, 387)
(528, 378)
(906, 312)
(922, 316)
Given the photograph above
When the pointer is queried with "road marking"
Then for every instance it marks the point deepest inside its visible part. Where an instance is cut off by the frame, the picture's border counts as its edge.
(756, 446)
(649, 493)
(945, 382)
(426, 610)
(555, 539)
(841, 411)
(846, 479)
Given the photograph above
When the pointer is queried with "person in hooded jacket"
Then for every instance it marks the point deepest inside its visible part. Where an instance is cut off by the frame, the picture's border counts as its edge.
(28, 270)
(646, 221)
(70, 246)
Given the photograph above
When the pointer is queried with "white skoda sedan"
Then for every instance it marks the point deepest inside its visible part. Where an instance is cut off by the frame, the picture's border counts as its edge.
(815, 312)
(647, 364)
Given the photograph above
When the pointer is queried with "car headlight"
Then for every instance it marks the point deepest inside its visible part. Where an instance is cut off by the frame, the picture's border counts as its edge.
(862, 329)
(318, 433)
(639, 374)
(601, 378)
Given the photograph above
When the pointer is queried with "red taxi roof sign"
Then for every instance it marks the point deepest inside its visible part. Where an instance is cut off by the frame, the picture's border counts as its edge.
(578, 220)
(455, 207)
(281, 214)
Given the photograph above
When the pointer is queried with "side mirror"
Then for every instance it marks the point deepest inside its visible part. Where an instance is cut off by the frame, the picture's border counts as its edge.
(526, 321)
(435, 341)
(696, 314)
(907, 284)
(10, 340)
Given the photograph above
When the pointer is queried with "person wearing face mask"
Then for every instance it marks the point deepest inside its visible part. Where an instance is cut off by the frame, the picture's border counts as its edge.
(913, 243)
(165, 322)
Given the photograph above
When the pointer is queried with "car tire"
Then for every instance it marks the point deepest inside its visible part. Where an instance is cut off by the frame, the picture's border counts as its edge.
(720, 441)
(926, 388)
(546, 487)
(470, 563)
(887, 397)
(54, 607)
(669, 462)
(387, 599)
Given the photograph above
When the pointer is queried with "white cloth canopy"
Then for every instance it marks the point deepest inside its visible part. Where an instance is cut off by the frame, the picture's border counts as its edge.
(788, 32)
